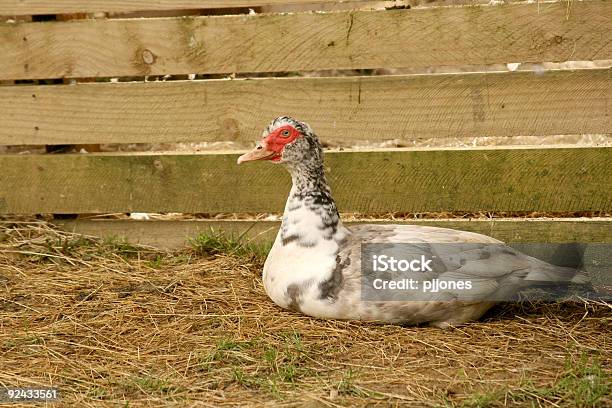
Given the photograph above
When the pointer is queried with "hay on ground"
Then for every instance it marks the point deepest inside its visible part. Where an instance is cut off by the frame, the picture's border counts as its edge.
(107, 323)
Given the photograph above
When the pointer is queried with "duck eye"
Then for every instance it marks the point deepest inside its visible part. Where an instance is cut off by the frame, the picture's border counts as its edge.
(285, 133)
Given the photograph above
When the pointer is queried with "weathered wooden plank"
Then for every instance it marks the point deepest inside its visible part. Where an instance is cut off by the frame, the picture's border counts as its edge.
(557, 179)
(308, 41)
(583, 243)
(342, 110)
(28, 7)
(176, 234)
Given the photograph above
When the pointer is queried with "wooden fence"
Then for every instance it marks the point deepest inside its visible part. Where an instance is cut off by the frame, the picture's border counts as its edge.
(39, 105)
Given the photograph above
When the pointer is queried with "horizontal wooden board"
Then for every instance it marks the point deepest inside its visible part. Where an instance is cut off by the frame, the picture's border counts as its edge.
(415, 38)
(583, 243)
(28, 7)
(176, 234)
(556, 179)
(344, 110)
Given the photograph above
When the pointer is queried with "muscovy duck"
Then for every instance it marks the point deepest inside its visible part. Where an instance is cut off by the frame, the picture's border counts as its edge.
(314, 266)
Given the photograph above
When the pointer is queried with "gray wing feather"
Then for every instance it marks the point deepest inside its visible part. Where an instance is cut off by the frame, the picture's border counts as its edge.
(492, 267)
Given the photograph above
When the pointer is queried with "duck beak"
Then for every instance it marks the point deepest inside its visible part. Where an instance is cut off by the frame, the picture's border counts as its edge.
(258, 153)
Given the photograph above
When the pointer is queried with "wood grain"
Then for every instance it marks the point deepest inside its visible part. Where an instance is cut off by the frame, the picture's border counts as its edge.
(27, 7)
(176, 234)
(555, 179)
(415, 38)
(344, 111)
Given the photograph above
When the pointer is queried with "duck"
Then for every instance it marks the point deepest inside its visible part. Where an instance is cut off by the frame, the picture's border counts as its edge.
(321, 268)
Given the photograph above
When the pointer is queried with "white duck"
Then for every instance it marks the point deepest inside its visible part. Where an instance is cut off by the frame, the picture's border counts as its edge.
(314, 266)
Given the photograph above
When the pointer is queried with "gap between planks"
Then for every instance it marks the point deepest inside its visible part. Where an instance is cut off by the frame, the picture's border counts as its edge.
(146, 7)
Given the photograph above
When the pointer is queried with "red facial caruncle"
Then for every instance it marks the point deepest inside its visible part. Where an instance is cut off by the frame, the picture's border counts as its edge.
(271, 146)
(276, 141)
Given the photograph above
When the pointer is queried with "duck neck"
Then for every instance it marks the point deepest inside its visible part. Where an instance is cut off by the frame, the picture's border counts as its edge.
(311, 216)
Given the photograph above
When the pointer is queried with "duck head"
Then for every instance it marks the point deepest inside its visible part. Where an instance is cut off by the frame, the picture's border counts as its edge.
(287, 141)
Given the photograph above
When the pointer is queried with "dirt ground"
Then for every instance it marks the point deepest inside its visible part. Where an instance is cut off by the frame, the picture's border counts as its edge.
(110, 324)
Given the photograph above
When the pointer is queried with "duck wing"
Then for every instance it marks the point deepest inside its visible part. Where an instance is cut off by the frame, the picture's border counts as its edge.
(473, 267)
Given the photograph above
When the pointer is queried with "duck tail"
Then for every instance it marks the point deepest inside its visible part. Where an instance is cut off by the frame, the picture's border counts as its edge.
(545, 272)
(561, 280)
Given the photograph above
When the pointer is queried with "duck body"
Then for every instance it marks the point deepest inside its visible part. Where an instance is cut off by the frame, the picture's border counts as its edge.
(315, 264)
(327, 283)
(316, 270)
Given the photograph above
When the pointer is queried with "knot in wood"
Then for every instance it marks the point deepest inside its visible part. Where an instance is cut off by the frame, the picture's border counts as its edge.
(148, 57)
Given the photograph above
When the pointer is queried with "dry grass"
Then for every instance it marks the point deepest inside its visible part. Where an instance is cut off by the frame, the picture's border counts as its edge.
(115, 325)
